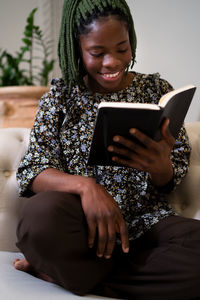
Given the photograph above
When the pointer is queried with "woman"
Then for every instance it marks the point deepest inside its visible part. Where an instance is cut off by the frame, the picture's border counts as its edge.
(119, 237)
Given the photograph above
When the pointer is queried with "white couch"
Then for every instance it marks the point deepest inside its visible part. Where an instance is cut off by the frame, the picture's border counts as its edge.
(16, 285)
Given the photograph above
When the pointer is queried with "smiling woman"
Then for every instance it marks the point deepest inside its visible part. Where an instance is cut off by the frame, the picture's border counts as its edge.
(109, 230)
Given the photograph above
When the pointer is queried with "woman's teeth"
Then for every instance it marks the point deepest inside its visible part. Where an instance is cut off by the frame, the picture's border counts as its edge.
(111, 75)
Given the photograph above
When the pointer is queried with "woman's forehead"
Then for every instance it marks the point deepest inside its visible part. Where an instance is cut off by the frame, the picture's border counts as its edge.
(106, 31)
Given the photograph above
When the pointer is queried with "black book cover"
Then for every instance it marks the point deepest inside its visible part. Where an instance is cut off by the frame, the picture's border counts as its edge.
(116, 118)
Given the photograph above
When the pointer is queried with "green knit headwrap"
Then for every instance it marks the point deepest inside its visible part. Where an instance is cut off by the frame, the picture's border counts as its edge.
(72, 13)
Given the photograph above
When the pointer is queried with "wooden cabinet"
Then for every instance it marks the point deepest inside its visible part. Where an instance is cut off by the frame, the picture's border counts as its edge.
(18, 113)
(18, 105)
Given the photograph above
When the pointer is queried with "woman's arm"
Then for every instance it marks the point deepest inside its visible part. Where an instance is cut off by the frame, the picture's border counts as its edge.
(56, 180)
(101, 211)
(43, 168)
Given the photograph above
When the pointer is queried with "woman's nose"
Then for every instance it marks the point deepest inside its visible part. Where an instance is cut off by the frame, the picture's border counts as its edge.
(111, 61)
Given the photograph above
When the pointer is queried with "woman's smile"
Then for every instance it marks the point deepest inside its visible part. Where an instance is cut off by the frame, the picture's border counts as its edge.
(111, 76)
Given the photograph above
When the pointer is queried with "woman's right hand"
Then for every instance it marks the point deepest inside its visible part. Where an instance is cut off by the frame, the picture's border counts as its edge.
(104, 219)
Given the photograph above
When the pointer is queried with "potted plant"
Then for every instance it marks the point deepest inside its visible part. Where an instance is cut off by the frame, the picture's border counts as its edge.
(24, 75)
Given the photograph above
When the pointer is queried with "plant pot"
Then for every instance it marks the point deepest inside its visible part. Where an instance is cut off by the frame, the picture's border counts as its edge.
(18, 105)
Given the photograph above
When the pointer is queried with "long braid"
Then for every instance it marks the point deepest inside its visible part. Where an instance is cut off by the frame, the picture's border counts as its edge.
(74, 14)
(66, 42)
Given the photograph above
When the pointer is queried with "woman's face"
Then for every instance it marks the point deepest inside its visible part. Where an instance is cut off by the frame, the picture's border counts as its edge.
(106, 53)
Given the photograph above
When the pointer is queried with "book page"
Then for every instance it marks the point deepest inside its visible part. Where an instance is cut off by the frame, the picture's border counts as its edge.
(128, 105)
(165, 98)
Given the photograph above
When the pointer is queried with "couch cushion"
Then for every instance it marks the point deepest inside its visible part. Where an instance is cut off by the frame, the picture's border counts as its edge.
(186, 199)
(14, 142)
(17, 285)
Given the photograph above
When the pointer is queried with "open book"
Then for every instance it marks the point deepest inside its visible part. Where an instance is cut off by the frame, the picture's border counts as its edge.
(116, 118)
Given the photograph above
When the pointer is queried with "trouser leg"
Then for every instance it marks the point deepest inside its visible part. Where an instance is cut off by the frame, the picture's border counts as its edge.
(52, 234)
(163, 264)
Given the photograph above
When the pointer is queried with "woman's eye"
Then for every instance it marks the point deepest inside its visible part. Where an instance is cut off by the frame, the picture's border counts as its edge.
(122, 50)
(96, 54)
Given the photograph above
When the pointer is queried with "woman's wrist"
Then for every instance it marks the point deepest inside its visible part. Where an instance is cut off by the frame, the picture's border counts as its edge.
(164, 183)
(84, 184)
(167, 188)
(162, 178)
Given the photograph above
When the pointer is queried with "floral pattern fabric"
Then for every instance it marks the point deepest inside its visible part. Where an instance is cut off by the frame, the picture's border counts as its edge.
(61, 139)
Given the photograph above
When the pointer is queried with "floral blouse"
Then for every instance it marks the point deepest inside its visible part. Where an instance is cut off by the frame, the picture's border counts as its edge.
(61, 139)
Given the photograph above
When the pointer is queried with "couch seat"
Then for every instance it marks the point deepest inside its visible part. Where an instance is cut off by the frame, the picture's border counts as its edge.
(17, 285)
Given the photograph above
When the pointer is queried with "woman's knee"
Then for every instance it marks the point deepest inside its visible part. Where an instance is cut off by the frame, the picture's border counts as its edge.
(52, 219)
(48, 205)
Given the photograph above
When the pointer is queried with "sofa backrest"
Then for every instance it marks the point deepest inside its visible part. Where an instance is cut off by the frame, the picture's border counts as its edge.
(13, 144)
(186, 198)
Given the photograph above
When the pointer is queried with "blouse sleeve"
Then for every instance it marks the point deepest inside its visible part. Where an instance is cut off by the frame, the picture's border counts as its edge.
(180, 155)
(44, 149)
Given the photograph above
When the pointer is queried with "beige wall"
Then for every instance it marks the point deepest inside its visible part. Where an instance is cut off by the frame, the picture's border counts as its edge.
(168, 34)
(13, 16)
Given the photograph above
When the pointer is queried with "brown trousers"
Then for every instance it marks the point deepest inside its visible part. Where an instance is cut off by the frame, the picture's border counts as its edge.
(163, 264)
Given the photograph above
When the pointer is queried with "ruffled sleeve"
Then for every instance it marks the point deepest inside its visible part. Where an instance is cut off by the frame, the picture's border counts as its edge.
(44, 149)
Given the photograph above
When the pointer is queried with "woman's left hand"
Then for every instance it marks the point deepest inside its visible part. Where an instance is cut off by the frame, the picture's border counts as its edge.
(148, 155)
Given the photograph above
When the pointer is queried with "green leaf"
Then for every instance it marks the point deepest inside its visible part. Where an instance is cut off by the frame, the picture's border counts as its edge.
(24, 49)
(30, 18)
(28, 33)
(27, 42)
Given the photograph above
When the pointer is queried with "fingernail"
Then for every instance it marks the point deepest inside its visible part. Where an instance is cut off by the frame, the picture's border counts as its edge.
(132, 130)
(110, 148)
(107, 256)
(126, 250)
(99, 255)
(116, 139)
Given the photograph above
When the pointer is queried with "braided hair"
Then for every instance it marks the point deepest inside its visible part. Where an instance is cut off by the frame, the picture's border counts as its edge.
(77, 15)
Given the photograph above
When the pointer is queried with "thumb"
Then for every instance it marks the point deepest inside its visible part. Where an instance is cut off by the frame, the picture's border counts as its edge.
(166, 134)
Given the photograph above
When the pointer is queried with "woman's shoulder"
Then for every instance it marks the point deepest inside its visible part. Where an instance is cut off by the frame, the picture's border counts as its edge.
(152, 81)
(58, 94)
(58, 87)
